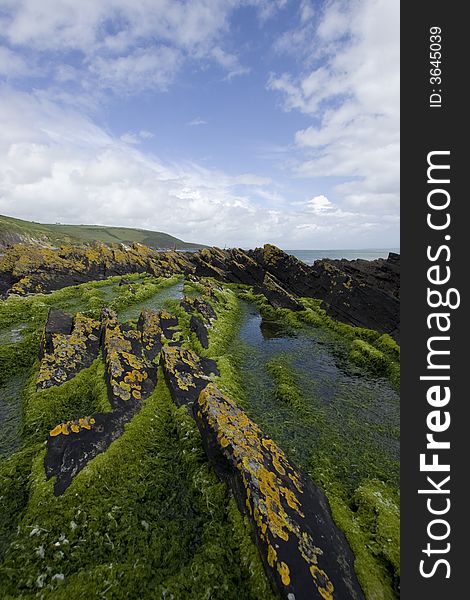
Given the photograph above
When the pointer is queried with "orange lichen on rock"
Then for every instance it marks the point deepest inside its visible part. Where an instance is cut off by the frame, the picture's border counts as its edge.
(130, 367)
(70, 353)
(186, 373)
(73, 426)
(282, 506)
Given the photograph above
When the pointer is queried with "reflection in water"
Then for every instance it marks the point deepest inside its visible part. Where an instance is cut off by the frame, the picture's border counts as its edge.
(355, 417)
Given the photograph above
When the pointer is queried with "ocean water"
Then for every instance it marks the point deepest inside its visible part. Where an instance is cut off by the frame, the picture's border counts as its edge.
(310, 256)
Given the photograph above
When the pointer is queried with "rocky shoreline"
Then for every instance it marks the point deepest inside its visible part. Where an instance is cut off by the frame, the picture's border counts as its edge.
(304, 553)
(360, 293)
(104, 378)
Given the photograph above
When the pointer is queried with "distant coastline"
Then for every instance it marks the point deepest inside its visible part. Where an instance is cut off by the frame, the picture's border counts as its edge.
(310, 256)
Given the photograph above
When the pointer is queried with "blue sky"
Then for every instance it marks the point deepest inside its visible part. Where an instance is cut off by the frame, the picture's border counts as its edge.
(234, 122)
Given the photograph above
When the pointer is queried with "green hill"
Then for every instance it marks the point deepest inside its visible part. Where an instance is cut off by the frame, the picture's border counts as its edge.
(13, 231)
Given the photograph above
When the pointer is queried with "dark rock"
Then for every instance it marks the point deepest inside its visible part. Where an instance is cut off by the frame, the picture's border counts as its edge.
(69, 353)
(169, 324)
(68, 453)
(304, 554)
(191, 305)
(361, 293)
(44, 269)
(131, 376)
(198, 327)
(276, 294)
(185, 373)
(57, 322)
(131, 357)
(151, 334)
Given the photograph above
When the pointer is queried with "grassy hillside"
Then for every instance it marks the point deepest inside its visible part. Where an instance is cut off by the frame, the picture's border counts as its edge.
(16, 230)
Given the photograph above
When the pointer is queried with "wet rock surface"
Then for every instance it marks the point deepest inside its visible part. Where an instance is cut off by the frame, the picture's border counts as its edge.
(304, 553)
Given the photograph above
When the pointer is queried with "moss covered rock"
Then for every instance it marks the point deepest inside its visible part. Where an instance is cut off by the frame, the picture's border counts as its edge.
(305, 555)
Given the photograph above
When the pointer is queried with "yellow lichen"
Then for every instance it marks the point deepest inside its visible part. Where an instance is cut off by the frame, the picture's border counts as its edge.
(284, 572)
(324, 585)
(265, 472)
(72, 426)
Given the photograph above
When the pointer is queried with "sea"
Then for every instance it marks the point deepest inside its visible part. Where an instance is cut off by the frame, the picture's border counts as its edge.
(310, 256)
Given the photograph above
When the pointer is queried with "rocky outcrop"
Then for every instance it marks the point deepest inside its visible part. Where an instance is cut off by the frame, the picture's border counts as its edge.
(28, 269)
(202, 317)
(131, 358)
(186, 373)
(58, 323)
(67, 350)
(361, 293)
(304, 554)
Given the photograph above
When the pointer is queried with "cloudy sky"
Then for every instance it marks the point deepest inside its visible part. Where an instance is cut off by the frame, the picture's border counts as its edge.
(228, 122)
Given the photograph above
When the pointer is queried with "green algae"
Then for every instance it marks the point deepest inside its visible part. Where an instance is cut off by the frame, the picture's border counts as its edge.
(151, 293)
(378, 354)
(14, 492)
(287, 390)
(84, 394)
(173, 530)
(11, 413)
(360, 480)
(146, 515)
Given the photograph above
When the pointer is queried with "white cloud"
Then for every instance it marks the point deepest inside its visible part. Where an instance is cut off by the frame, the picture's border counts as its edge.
(197, 121)
(143, 42)
(352, 95)
(57, 165)
(144, 69)
(135, 138)
(130, 138)
(229, 62)
(11, 64)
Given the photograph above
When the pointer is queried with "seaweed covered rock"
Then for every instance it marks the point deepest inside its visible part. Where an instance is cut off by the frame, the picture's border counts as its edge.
(30, 268)
(71, 445)
(191, 305)
(202, 317)
(169, 324)
(64, 355)
(305, 555)
(358, 292)
(131, 357)
(151, 334)
(186, 373)
(197, 326)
